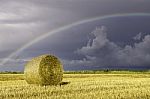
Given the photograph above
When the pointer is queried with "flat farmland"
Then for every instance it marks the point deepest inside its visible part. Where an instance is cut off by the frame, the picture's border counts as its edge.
(79, 86)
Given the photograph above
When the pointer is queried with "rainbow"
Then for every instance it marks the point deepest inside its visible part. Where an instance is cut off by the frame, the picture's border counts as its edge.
(67, 27)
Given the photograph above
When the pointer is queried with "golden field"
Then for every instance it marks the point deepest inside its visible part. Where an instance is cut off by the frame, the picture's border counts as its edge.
(80, 86)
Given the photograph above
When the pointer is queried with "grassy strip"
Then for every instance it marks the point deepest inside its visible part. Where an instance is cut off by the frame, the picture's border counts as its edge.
(109, 72)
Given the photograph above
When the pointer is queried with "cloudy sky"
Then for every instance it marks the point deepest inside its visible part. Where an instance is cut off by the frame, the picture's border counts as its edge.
(84, 34)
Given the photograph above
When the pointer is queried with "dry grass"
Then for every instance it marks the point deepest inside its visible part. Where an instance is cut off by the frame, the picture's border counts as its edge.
(82, 86)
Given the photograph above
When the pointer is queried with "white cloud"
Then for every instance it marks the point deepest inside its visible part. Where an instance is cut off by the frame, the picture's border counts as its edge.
(138, 36)
(98, 42)
(103, 52)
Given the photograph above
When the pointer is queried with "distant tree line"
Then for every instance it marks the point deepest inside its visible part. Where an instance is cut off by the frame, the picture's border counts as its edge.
(11, 72)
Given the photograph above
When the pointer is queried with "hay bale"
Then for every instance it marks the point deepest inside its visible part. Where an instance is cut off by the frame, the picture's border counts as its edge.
(44, 70)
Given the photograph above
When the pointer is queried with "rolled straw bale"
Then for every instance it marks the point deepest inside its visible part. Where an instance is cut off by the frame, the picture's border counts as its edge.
(44, 70)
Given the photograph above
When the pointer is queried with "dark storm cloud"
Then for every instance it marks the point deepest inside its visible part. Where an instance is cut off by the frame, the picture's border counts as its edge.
(78, 47)
(100, 51)
(21, 21)
(32, 18)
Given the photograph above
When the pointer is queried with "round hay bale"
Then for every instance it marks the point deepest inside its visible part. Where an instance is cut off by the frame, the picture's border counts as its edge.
(44, 70)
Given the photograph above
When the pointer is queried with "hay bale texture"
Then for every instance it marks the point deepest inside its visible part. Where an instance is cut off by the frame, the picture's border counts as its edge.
(44, 70)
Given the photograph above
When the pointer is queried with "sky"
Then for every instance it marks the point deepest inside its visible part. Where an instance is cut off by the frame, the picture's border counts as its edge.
(84, 34)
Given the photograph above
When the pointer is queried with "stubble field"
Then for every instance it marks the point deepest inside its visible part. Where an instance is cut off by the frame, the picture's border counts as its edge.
(79, 86)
